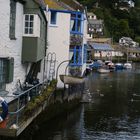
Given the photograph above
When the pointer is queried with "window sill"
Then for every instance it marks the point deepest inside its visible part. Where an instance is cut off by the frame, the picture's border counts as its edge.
(31, 35)
(73, 65)
(53, 25)
(13, 38)
(3, 93)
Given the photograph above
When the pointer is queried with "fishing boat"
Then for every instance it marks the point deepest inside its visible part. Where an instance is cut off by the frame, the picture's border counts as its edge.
(67, 79)
(119, 66)
(111, 66)
(127, 65)
(103, 70)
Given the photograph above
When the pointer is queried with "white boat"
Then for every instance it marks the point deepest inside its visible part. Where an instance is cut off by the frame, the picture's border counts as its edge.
(128, 65)
(102, 70)
(67, 79)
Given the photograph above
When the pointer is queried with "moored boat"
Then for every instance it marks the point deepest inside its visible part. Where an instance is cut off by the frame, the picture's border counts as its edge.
(119, 66)
(103, 70)
(128, 65)
(67, 79)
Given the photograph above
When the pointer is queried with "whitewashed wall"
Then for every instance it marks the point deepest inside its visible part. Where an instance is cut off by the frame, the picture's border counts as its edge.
(59, 41)
(84, 40)
(12, 48)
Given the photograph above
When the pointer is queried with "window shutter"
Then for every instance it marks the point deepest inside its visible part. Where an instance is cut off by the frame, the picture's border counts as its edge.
(10, 70)
(12, 19)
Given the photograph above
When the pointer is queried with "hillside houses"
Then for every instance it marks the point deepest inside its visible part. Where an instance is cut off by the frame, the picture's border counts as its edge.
(95, 26)
(125, 4)
(128, 42)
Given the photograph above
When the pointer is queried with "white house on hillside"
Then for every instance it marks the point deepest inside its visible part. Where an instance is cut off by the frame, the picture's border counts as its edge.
(95, 26)
(128, 42)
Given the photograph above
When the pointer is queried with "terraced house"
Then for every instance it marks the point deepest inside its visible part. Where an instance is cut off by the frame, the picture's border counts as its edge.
(67, 25)
(23, 34)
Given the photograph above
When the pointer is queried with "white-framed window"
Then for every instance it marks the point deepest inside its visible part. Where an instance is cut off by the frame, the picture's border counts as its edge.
(31, 25)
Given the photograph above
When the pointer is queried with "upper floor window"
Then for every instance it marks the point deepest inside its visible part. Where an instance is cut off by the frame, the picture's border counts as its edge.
(76, 23)
(31, 25)
(76, 59)
(53, 17)
(85, 53)
(12, 19)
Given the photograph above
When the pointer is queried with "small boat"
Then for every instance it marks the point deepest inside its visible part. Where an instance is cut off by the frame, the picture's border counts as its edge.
(107, 62)
(102, 70)
(127, 65)
(67, 79)
(111, 66)
(95, 65)
(119, 66)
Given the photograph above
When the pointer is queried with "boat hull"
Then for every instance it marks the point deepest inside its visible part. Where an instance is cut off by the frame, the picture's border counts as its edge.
(101, 70)
(71, 79)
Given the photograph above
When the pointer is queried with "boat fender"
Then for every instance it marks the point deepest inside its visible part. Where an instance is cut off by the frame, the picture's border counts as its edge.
(4, 113)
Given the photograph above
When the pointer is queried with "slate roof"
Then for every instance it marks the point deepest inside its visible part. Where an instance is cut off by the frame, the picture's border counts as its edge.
(101, 47)
(64, 5)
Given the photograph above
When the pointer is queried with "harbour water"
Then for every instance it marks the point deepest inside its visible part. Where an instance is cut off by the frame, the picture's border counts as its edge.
(113, 114)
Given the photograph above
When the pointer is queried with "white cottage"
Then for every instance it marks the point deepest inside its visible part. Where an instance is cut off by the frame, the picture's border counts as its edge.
(17, 34)
(66, 37)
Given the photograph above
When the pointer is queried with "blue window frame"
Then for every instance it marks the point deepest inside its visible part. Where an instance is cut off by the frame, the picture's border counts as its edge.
(85, 53)
(53, 17)
(76, 23)
(77, 56)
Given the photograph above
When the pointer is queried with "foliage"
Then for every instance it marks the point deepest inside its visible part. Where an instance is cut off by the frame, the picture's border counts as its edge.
(117, 22)
(39, 100)
(137, 39)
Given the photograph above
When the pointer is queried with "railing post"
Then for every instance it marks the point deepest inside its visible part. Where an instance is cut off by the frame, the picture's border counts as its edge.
(17, 117)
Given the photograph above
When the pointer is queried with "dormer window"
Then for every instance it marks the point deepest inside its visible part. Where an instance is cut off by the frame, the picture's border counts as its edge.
(31, 25)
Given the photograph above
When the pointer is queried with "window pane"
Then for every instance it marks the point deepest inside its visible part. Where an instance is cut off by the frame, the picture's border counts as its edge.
(79, 16)
(26, 17)
(26, 24)
(74, 25)
(79, 26)
(26, 30)
(31, 24)
(30, 31)
(53, 17)
(31, 17)
(73, 15)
